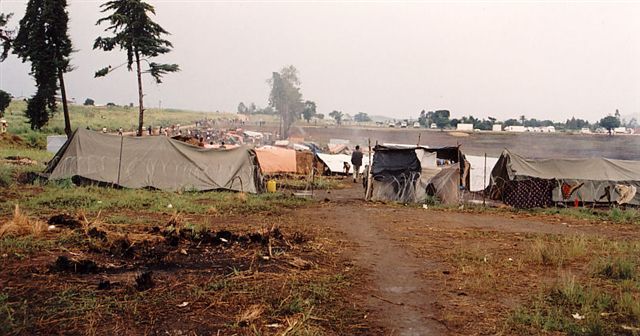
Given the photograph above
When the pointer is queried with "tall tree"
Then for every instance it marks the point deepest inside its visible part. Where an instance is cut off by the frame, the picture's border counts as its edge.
(6, 35)
(43, 40)
(141, 38)
(309, 110)
(610, 122)
(286, 98)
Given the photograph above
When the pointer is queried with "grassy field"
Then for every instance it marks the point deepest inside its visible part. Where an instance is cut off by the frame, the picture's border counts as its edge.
(110, 117)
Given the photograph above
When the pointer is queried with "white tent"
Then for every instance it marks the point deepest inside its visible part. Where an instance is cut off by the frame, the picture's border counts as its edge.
(335, 162)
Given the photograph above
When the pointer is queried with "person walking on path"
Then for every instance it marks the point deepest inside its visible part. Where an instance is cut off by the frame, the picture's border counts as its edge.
(356, 162)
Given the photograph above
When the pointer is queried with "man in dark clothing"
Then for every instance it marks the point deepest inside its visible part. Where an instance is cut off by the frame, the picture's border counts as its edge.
(356, 161)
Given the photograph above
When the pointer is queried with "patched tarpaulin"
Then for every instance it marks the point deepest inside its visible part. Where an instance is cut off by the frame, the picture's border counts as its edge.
(275, 160)
(587, 180)
(410, 174)
(156, 162)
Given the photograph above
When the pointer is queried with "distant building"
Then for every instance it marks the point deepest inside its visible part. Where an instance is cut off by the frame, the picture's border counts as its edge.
(520, 129)
(465, 127)
(620, 130)
(497, 128)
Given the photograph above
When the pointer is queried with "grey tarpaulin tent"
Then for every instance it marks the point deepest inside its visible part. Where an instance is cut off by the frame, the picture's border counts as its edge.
(412, 173)
(157, 162)
(590, 180)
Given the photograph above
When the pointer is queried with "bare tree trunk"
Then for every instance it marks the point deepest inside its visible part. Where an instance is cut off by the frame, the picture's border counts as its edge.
(140, 105)
(65, 108)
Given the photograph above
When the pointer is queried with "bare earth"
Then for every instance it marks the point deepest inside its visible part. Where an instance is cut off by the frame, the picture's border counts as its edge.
(414, 285)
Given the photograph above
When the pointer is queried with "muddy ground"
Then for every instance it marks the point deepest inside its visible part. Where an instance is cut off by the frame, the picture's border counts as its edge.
(336, 266)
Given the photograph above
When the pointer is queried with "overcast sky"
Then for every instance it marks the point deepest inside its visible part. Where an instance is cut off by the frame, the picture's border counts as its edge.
(541, 60)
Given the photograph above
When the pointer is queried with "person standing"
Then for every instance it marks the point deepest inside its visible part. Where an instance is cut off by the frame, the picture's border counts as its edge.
(356, 162)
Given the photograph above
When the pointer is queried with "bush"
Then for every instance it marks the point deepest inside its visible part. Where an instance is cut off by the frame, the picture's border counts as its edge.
(6, 176)
(617, 269)
(36, 140)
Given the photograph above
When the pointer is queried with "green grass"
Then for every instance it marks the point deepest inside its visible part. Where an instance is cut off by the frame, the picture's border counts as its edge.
(60, 197)
(616, 268)
(556, 251)
(110, 117)
(23, 245)
(616, 215)
(553, 310)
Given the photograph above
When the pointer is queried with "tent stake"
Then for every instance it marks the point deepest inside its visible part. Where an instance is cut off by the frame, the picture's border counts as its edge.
(484, 185)
(120, 159)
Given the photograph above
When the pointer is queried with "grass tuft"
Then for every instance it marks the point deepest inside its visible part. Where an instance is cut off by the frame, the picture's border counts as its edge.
(21, 225)
(616, 268)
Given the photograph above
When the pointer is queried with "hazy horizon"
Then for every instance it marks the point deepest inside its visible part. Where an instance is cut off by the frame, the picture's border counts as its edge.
(541, 60)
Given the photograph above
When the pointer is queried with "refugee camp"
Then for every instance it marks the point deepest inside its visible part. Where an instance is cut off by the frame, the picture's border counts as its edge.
(319, 168)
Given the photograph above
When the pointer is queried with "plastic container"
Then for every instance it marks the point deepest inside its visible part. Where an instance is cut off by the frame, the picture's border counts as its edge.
(271, 186)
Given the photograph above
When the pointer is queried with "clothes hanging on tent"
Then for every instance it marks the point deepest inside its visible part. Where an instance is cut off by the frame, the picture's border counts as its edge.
(626, 192)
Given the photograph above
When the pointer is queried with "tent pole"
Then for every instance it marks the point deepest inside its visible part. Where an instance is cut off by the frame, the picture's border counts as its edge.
(368, 191)
(120, 159)
(484, 185)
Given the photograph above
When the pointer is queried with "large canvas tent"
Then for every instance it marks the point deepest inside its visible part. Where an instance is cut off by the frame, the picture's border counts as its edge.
(413, 173)
(155, 162)
(526, 183)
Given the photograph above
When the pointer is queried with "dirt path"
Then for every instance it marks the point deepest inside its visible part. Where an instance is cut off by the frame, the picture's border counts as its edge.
(402, 299)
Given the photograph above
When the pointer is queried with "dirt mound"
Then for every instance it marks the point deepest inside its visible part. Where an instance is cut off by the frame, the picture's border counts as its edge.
(10, 140)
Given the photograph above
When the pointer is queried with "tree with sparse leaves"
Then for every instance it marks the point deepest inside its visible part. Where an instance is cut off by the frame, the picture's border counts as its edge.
(242, 108)
(141, 38)
(286, 98)
(43, 40)
(6, 35)
(337, 116)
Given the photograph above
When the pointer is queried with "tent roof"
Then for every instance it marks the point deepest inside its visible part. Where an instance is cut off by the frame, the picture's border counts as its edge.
(595, 169)
(276, 159)
(155, 161)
